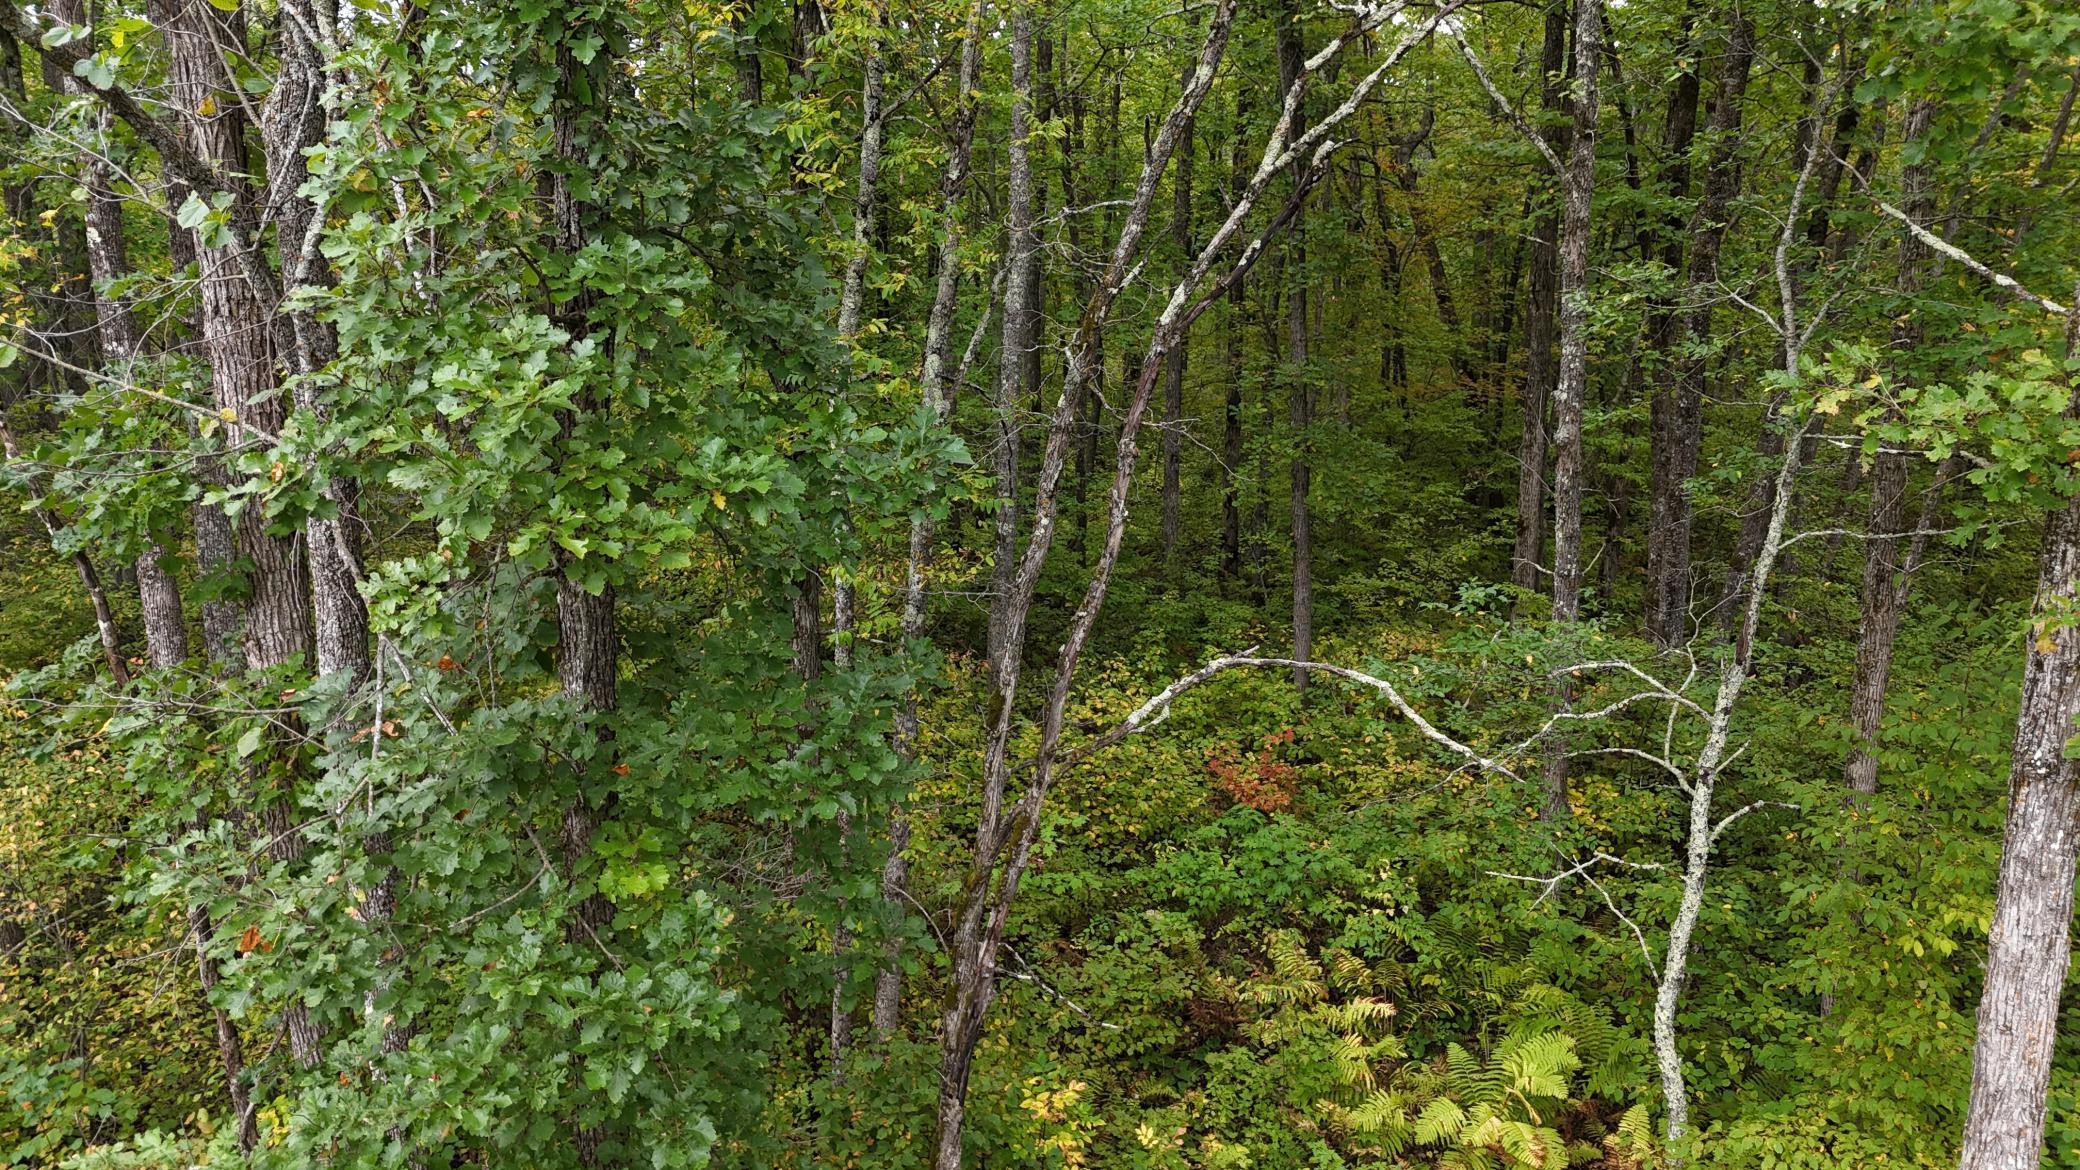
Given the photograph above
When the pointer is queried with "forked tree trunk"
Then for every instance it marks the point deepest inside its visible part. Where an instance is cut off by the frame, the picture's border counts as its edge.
(938, 379)
(241, 335)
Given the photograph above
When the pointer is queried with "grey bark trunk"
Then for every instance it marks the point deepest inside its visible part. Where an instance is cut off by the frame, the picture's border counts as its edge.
(1577, 188)
(587, 644)
(1541, 314)
(240, 335)
(1300, 388)
(1174, 370)
(2029, 947)
(938, 382)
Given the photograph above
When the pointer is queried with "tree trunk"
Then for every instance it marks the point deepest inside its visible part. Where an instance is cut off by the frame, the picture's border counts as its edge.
(1174, 370)
(938, 381)
(297, 110)
(2029, 946)
(587, 642)
(1681, 433)
(1666, 604)
(1300, 388)
(89, 576)
(1578, 188)
(1022, 258)
(241, 334)
(1541, 313)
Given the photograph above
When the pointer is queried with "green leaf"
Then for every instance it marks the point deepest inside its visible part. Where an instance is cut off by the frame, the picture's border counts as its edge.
(192, 212)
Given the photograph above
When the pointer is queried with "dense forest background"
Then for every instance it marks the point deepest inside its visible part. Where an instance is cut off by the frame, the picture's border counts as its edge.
(1044, 583)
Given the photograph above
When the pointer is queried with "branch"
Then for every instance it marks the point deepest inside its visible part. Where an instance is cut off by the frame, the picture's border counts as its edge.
(1946, 248)
(1727, 822)
(119, 384)
(1509, 111)
(1581, 869)
(1155, 710)
(156, 133)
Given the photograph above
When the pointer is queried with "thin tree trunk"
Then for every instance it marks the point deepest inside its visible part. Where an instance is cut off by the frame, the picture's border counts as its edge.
(1681, 433)
(1174, 370)
(1231, 443)
(1231, 400)
(165, 621)
(851, 304)
(1541, 314)
(587, 642)
(1578, 187)
(230, 1048)
(1300, 389)
(1883, 594)
(938, 383)
(89, 577)
(2052, 145)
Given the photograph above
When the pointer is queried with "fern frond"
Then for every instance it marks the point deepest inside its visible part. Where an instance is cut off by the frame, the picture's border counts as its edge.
(1441, 1120)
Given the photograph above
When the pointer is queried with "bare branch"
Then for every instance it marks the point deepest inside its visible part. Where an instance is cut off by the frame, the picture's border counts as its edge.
(1509, 111)
(1727, 821)
(1952, 251)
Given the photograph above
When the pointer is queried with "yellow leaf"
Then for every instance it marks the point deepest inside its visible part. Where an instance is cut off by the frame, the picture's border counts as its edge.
(2045, 645)
(228, 414)
(721, 501)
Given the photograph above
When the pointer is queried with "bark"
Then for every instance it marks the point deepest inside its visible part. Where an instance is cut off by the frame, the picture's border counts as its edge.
(851, 303)
(1884, 587)
(296, 114)
(866, 199)
(938, 381)
(230, 1048)
(1680, 432)
(1231, 399)
(1231, 445)
(2052, 145)
(1667, 594)
(1541, 315)
(1577, 188)
(68, 333)
(241, 335)
(1878, 620)
(1300, 387)
(1022, 258)
(2029, 947)
(1174, 371)
(165, 622)
(165, 618)
(1702, 782)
